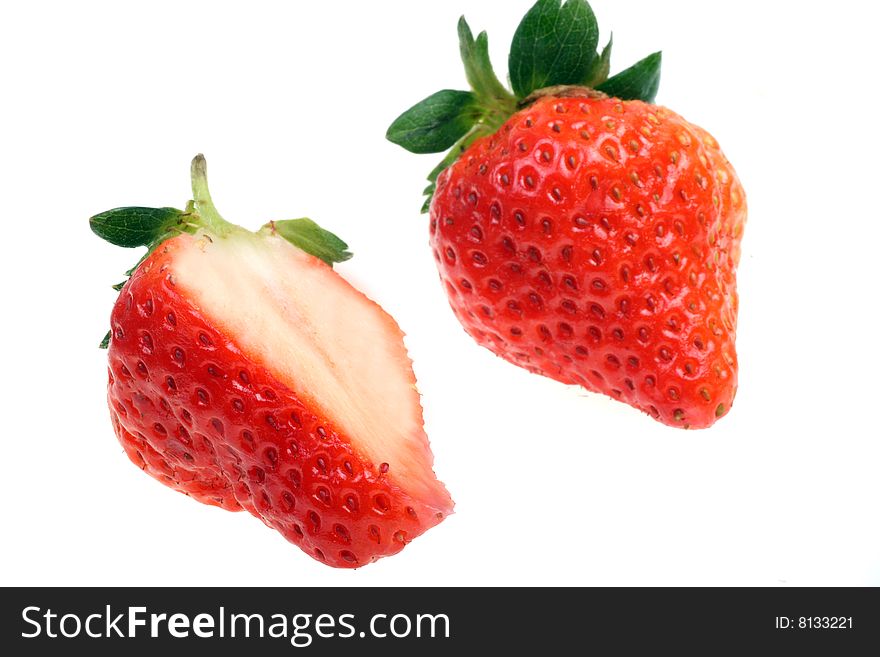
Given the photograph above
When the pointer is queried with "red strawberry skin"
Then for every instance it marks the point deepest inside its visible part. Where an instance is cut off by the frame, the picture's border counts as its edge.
(195, 412)
(595, 241)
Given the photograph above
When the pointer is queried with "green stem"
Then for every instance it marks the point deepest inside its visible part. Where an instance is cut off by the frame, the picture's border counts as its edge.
(204, 206)
(497, 111)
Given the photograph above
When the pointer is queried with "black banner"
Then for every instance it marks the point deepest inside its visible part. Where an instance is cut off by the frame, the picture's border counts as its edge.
(435, 621)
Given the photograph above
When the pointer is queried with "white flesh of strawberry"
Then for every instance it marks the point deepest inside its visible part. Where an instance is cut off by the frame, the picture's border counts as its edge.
(324, 339)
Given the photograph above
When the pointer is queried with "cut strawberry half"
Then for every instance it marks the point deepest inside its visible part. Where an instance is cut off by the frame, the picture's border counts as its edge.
(246, 373)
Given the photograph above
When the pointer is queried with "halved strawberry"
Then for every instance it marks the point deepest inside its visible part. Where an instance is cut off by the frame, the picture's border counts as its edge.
(246, 373)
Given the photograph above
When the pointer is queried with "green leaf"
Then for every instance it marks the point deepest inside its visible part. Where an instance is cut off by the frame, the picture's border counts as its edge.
(554, 44)
(105, 342)
(601, 66)
(131, 227)
(436, 123)
(311, 238)
(477, 66)
(118, 287)
(639, 82)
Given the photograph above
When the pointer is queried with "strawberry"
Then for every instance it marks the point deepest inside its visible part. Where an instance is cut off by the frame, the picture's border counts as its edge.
(580, 231)
(246, 373)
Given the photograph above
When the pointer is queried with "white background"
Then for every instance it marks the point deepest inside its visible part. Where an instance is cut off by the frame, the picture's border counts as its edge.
(104, 104)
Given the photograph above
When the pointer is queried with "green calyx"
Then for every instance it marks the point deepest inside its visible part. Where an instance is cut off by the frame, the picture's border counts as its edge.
(555, 45)
(132, 227)
(308, 236)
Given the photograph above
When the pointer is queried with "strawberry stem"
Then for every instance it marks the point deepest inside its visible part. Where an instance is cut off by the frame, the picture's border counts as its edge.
(203, 205)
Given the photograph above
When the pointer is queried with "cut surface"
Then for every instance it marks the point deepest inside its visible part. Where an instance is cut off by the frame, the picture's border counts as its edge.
(322, 338)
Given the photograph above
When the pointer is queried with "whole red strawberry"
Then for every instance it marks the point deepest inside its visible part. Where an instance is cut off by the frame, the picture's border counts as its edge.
(247, 374)
(582, 232)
